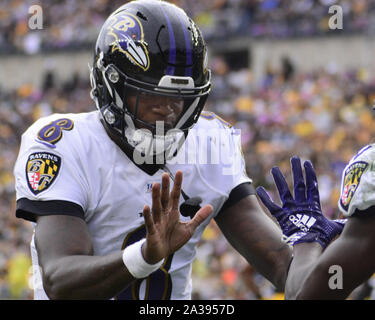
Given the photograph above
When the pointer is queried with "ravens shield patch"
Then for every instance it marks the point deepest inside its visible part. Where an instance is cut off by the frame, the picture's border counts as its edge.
(352, 178)
(42, 169)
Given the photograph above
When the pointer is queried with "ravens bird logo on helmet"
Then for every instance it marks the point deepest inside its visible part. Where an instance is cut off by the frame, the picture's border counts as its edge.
(149, 50)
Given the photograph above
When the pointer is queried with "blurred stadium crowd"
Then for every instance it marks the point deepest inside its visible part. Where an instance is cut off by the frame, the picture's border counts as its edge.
(324, 116)
(74, 24)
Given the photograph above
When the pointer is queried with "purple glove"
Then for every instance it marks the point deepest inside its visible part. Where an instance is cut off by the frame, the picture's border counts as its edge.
(301, 219)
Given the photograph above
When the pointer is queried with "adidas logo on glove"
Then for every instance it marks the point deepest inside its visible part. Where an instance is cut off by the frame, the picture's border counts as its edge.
(303, 222)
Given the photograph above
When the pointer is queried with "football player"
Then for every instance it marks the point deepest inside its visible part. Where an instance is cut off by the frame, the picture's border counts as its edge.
(321, 270)
(97, 185)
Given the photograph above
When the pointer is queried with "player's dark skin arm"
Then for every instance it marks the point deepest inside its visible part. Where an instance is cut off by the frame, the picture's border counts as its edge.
(257, 238)
(353, 251)
(70, 271)
(65, 251)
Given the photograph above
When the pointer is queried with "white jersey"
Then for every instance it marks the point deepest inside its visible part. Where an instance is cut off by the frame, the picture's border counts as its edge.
(358, 182)
(70, 157)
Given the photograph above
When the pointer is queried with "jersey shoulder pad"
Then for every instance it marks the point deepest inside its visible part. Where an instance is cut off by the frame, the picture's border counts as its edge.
(224, 167)
(211, 119)
(47, 152)
(367, 154)
(53, 130)
(358, 182)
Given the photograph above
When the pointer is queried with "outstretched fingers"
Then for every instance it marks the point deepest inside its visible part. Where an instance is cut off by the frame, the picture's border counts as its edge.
(176, 191)
(165, 192)
(282, 186)
(311, 183)
(156, 203)
(149, 223)
(201, 215)
(298, 180)
(263, 195)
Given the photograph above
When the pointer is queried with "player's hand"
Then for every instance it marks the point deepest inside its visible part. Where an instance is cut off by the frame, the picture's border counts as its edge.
(165, 233)
(300, 218)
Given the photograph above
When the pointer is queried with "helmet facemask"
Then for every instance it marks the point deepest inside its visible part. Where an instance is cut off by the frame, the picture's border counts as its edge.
(150, 77)
(132, 99)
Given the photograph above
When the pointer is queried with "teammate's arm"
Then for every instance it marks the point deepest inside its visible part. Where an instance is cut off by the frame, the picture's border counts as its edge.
(257, 238)
(65, 251)
(353, 252)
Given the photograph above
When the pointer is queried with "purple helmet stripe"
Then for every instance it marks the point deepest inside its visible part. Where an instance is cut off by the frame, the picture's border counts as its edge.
(172, 50)
(189, 59)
